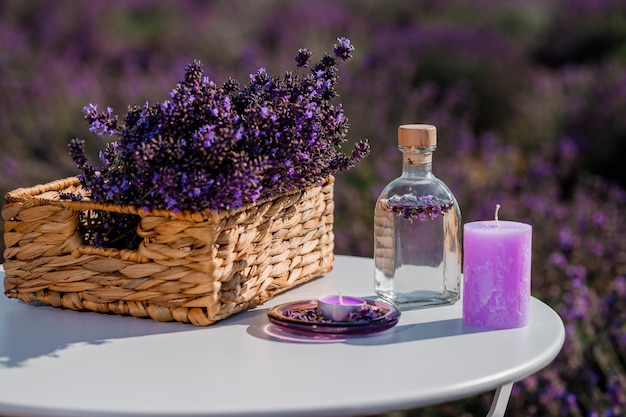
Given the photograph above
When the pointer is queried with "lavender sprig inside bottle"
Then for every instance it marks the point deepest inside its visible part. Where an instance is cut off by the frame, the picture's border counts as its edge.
(424, 207)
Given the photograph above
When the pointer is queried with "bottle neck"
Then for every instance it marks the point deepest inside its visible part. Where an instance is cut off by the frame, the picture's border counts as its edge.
(417, 161)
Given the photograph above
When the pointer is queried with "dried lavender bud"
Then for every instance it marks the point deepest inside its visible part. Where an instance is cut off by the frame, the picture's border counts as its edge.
(369, 313)
(71, 196)
(101, 123)
(343, 50)
(303, 57)
(426, 207)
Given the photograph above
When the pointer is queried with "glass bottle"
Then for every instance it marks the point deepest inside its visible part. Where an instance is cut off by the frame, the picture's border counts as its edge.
(417, 229)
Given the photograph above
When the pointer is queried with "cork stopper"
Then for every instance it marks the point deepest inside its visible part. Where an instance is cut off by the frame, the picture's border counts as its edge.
(417, 135)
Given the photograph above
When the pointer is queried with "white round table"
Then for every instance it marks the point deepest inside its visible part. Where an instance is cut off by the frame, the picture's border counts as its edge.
(56, 362)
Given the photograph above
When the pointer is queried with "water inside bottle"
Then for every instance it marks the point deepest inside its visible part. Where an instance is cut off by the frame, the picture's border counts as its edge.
(417, 254)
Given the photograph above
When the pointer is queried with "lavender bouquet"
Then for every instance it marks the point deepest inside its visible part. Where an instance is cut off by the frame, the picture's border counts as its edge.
(217, 147)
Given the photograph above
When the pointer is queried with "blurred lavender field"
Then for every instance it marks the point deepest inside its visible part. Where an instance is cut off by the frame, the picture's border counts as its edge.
(529, 98)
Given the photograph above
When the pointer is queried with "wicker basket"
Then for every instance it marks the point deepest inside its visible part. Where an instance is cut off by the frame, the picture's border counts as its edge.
(193, 267)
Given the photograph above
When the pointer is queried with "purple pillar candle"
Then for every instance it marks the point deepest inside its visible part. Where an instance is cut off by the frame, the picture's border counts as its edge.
(496, 274)
(338, 307)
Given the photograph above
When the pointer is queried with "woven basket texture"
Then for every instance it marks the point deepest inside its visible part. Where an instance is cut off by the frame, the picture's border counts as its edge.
(192, 267)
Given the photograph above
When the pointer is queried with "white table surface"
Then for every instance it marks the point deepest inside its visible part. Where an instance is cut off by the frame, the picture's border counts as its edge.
(56, 362)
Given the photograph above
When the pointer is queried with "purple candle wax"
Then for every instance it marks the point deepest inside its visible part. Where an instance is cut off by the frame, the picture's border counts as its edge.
(496, 274)
(338, 307)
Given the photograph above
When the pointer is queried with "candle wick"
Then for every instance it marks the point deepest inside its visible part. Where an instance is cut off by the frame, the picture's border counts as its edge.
(340, 298)
(497, 209)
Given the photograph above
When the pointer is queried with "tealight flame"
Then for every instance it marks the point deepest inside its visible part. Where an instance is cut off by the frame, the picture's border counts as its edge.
(497, 209)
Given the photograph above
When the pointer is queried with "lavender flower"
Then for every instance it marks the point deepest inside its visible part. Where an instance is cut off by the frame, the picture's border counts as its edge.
(103, 123)
(370, 312)
(303, 57)
(343, 50)
(427, 207)
(212, 147)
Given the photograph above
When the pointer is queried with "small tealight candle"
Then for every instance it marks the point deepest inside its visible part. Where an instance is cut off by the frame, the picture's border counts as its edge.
(338, 307)
(496, 273)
